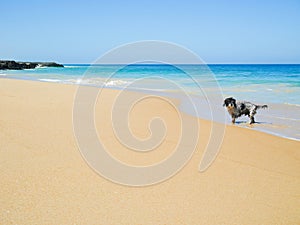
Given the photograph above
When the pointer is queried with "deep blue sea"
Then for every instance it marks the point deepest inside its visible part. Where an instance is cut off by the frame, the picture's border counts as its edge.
(276, 85)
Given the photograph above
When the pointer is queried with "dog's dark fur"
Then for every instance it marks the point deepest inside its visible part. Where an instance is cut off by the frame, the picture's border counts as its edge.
(237, 109)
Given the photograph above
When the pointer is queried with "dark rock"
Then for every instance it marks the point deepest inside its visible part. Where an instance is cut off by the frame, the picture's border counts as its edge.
(13, 65)
(49, 64)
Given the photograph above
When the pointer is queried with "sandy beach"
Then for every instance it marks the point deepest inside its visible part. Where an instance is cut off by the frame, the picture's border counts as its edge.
(255, 178)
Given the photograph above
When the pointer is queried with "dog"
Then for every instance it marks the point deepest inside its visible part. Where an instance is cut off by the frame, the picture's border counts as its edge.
(237, 109)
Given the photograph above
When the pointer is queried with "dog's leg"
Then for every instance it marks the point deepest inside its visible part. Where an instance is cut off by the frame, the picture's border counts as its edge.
(233, 120)
(252, 113)
(252, 120)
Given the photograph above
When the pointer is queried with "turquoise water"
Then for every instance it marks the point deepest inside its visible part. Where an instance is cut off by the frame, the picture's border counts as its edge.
(264, 83)
(275, 85)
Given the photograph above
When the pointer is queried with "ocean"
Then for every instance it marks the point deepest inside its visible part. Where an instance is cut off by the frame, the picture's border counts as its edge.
(272, 84)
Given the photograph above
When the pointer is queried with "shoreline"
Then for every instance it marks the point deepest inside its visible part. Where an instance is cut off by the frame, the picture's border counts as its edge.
(269, 126)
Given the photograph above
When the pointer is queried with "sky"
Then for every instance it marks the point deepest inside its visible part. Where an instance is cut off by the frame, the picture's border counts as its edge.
(218, 31)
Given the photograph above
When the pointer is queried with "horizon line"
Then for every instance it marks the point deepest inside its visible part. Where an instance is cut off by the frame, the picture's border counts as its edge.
(103, 64)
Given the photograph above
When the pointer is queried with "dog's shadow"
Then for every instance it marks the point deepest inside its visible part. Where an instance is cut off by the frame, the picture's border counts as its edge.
(245, 122)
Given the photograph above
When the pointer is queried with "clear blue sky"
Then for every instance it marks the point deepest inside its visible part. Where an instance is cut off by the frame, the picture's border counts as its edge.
(218, 31)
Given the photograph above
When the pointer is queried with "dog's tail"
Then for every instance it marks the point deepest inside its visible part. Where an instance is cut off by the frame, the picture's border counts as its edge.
(262, 107)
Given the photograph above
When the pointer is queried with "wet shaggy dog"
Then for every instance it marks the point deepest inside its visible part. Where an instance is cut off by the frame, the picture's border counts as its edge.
(237, 109)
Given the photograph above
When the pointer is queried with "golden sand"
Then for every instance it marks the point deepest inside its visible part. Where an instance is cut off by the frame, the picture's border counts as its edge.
(255, 179)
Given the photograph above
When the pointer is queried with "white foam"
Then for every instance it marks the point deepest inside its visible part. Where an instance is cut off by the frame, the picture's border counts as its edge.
(71, 66)
(151, 89)
(286, 103)
(115, 83)
(50, 80)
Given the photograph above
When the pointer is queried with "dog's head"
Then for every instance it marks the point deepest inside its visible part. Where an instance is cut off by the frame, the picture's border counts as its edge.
(230, 103)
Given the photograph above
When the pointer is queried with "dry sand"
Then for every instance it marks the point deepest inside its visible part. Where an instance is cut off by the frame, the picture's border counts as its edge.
(255, 179)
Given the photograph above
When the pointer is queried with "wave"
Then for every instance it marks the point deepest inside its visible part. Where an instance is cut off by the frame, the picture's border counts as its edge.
(150, 89)
(286, 103)
(40, 67)
(72, 66)
(115, 83)
(50, 80)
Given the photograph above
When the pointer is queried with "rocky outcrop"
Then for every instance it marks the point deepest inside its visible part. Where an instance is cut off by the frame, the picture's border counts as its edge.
(13, 65)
